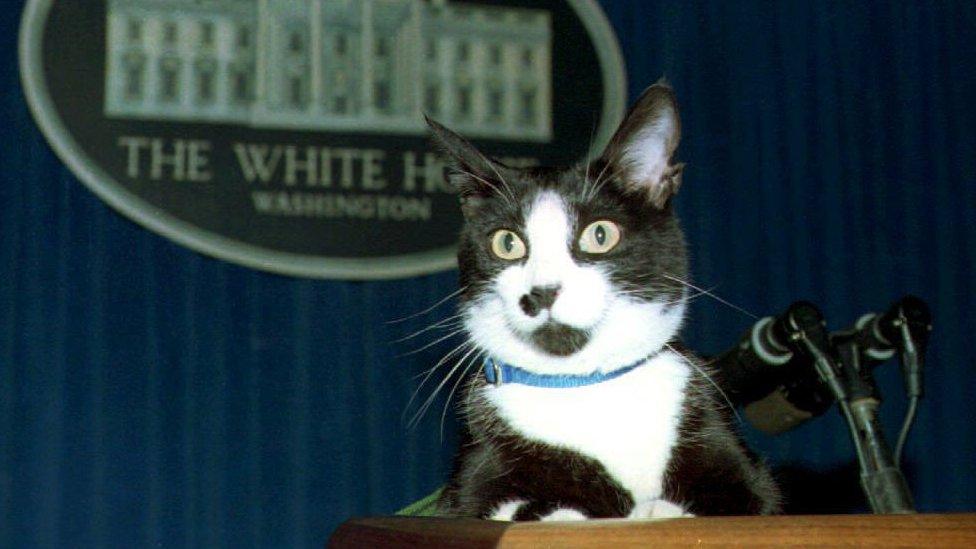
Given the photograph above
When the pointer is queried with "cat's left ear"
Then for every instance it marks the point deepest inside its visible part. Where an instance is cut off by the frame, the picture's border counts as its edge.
(474, 176)
(642, 149)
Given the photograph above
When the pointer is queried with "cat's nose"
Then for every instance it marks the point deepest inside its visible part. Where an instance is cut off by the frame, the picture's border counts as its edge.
(541, 297)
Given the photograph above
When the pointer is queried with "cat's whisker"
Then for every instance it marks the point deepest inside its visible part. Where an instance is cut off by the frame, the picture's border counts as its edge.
(586, 176)
(449, 322)
(464, 374)
(709, 378)
(432, 343)
(688, 298)
(597, 181)
(609, 178)
(710, 294)
(494, 187)
(431, 308)
(502, 179)
(430, 372)
(441, 361)
(430, 400)
(601, 181)
(652, 293)
(646, 290)
(584, 189)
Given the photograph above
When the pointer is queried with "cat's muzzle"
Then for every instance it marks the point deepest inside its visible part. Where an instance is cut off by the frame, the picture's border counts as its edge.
(559, 339)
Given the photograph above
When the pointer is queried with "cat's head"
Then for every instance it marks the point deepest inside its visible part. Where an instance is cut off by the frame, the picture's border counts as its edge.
(572, 270)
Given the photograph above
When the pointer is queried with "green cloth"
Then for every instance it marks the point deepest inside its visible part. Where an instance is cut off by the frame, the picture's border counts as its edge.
(426, 507)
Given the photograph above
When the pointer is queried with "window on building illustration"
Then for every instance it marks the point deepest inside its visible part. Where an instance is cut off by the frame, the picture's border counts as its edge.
(296, 91)
(241, 84)
(244, 37)
(430, 49)
(341, 90)
(382, 46)
(495, 55)
(528, 107)
(207, 33)
(296, 42)
(170, 32)
(382, 97)
(205, 84)
(464, 102)
(341, 45)
(133, 80)
(463, 52)
(340, 104)
(495, 104)
(528, 57)
(133, 31)
(169, 79)
(432, 99)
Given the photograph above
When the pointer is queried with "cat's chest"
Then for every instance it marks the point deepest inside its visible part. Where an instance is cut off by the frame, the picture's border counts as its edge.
(629, 424)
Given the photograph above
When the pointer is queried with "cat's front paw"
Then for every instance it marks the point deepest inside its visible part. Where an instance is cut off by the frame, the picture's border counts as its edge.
(658, 509)
(507, 510)
(521, 510)
(564, 514)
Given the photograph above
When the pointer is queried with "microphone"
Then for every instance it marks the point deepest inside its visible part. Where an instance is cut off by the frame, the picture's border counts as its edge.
(903, 328)
(772, 375)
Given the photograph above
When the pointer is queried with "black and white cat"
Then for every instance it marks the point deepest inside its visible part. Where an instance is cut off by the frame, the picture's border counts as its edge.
(574, 287)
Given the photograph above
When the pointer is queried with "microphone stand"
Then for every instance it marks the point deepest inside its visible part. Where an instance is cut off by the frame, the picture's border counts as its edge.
(810, 335)
(881, 479)
(852, 385)
(764, 373)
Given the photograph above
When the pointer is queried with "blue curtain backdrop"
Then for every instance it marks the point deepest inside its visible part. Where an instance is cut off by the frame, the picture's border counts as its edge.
(150, 395)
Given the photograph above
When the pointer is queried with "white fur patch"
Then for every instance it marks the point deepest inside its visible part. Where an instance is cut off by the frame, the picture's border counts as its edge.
(583, 290)
(563, 514)
(507, 510)
(629, 424)
(658, 509)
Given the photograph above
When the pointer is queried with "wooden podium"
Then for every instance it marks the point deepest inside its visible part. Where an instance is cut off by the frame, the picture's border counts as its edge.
(928, 531)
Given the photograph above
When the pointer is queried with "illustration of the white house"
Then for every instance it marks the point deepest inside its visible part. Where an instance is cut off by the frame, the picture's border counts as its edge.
(343, 65)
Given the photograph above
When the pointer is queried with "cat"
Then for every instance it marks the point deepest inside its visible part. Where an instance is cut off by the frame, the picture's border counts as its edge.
(573, 286)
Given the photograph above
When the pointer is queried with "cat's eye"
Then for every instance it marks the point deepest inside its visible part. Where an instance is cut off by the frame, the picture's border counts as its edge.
(599, 237)
(507, 245)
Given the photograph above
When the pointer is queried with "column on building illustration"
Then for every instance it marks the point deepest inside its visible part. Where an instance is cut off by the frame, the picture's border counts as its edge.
(342, 30)
(366, 60)
(241, 79)
(396, 62)
(436, 60)
(129, 60)
(205, 66)
(284, 61)
(494, 82)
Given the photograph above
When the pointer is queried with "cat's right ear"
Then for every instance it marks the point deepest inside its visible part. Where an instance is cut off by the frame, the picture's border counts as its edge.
(641, 151)
(473, 175)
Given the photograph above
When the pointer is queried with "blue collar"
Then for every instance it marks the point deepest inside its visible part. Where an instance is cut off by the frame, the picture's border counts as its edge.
(497, 373)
